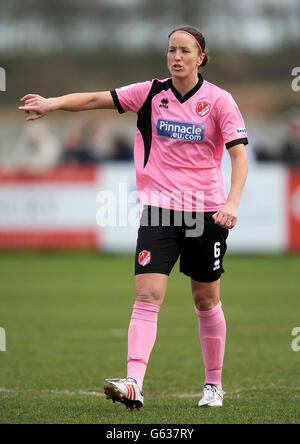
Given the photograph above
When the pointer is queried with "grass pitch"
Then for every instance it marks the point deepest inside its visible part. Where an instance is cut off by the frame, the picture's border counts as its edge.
(66, 318)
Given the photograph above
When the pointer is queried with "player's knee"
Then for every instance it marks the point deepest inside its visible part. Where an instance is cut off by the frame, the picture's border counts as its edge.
(205, 300)
(206, 294)
(204, 304)
(150, 295)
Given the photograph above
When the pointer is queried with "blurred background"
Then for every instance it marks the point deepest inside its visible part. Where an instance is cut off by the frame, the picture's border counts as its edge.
(58, 47)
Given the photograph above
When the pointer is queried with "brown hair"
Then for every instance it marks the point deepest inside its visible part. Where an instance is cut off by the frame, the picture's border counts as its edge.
(198, 36)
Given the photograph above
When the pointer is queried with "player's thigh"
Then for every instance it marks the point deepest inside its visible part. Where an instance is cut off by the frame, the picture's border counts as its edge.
(157, 250)
(202, 257)
(151, 287)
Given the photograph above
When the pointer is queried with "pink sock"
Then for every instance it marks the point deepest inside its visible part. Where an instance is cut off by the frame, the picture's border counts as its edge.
(212, 332)
(141, 338)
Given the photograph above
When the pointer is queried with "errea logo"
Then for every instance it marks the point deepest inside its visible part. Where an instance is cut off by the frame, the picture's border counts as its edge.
(164, 103)
(217, 264)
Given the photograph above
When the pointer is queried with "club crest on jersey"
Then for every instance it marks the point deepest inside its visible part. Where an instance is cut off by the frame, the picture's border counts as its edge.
(144, 258)
(203, 108)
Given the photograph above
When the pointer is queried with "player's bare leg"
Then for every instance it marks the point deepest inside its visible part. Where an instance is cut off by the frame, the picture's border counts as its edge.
(151, 287)
(206, 294)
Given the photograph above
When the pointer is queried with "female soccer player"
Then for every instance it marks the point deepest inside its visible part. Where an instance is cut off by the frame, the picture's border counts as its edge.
(183, 123)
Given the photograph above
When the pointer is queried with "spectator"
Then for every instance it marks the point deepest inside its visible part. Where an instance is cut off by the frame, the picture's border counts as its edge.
(121, 150)
(38, 150)
(93, 138)
(75, 150)
(290, 153)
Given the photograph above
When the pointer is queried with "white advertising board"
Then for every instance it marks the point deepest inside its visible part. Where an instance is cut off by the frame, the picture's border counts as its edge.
(104, 207)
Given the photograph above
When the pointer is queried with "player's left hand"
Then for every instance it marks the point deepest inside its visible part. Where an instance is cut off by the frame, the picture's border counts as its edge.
(226, 217)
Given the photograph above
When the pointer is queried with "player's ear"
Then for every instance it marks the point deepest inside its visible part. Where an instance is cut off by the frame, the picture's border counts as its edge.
(201, 58)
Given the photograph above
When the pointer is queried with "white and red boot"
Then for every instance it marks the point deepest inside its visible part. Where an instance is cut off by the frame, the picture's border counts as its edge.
(125, 391)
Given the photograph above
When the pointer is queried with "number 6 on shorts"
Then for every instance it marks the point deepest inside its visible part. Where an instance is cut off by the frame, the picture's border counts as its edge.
(217, 250)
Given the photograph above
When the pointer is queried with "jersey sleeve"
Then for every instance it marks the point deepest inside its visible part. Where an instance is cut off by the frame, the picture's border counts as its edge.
(231, 122)
(131, 97)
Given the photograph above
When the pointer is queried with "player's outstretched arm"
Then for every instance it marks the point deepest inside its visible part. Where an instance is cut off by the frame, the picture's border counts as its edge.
(40, 106)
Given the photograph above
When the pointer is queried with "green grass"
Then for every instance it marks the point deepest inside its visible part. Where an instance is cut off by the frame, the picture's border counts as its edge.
(66, 318)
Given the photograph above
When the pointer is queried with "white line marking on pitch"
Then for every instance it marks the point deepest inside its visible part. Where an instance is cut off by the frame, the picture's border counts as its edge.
(86, 393)
(232, 394)
(54, 392)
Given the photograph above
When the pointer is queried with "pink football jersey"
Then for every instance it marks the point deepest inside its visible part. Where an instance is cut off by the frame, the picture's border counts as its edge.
(179, 142)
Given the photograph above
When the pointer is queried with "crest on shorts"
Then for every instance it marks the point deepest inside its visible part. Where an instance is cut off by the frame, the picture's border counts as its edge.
(203, 108)
(144, 258)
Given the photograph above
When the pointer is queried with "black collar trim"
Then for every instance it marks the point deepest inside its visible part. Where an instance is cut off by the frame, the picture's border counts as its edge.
(188, 95)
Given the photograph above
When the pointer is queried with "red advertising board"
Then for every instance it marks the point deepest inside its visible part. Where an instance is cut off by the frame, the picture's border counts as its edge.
(54, 210)
(293, 202)
(49, 239)
(60, 174)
